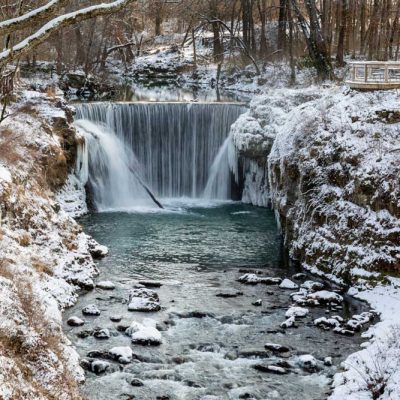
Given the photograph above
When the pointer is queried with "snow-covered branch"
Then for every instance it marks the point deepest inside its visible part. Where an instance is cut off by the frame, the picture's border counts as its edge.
(31, 18)
(121, 46)
(56, 24)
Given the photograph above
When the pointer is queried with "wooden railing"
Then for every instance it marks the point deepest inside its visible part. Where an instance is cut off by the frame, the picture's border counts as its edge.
(374, 75)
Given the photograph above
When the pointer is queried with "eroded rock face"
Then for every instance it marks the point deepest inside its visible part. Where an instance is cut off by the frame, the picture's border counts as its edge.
(327, 161)
(44, 254)
(253, 135)
(340, 177)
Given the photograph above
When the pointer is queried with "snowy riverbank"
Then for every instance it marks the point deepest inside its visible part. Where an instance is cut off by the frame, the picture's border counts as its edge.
(329, 165)
(45, 256)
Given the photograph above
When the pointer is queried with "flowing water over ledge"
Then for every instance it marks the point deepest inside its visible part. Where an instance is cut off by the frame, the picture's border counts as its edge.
(210, 343)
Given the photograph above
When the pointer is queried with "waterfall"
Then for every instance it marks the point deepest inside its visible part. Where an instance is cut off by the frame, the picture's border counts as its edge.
(111, 169)
(224, 165)
(181, 149)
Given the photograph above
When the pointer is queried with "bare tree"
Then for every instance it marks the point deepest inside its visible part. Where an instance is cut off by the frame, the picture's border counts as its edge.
(54, 25)
(316, 45)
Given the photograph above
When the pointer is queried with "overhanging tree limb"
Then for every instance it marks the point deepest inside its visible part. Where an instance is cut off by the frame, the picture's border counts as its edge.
(56, 24)
(31, 18)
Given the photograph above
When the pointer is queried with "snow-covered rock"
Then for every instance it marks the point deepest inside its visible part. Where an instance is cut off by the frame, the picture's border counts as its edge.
(144, 300)
(307, 362)
(272, 369)
(91, 309)
(312, 286)
(288, 284)
(289, 323)
(328, 361)
(122, 354)
(103, 333)
(99, 366)
(144, 333)
(299, 312)
(325, 296)
(97, 250)
(326, 322)
(276, 347)
(105, 285)
(253, 279)
(75, 321)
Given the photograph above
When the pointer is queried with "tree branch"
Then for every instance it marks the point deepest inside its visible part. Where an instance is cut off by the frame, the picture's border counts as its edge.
(56, 24)
(30, 18)
(120, 46)
(239, 41)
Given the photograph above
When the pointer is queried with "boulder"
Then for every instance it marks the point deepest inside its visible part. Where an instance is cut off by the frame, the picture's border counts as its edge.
(91, 309)
(299, 312)
(278, 348)
(312, 286)
(272, 369)
(144, 333)
(307, 362)
(99, 366)
(105, 285)
(253, 279)
(325, 296)
(143, 300)
(288, 284)
(121, 354)
(75, 321)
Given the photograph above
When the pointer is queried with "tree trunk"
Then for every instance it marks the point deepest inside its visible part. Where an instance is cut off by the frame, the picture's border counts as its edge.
(80, 53)
(157, 25)
(59, 50)
(291, 58)
(342, 33)
(246, 22)
(194, 49)
(373, 30)
(261, 5)
(218, 50)
(395, 30)
(282, 25)
(362, 26)
(314, 39)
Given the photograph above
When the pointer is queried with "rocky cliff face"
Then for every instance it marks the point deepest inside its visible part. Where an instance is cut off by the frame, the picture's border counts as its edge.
(332, 160)
(44, 255)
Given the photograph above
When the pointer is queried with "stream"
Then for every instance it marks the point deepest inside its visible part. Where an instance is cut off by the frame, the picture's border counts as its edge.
(212, 330)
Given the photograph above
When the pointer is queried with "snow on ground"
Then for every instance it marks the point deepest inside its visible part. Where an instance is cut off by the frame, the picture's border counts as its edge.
(167, 62)
(327, 159)
(374, 371)
(44, 255)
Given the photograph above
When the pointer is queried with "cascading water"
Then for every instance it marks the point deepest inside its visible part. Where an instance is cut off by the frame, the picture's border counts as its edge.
(182, 149)
(110, 167)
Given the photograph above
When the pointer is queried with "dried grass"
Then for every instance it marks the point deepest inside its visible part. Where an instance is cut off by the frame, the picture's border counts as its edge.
(41, 266)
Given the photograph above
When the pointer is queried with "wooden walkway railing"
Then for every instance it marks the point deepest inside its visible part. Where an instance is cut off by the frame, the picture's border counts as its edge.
(374, 75)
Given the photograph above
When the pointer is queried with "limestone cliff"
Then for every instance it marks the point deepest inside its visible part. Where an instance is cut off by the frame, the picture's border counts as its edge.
(327, 160)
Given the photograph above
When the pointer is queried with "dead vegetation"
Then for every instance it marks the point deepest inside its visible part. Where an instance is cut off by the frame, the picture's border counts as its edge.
(34, 350)
(31, 341)
(10, 142)
(41, 266)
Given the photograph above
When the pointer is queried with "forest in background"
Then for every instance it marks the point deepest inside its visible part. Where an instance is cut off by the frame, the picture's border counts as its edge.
(315, 33)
